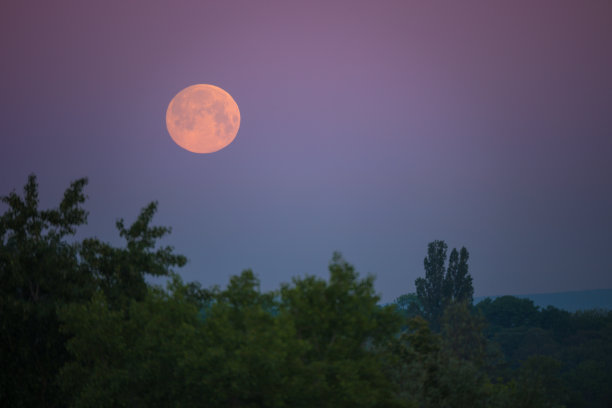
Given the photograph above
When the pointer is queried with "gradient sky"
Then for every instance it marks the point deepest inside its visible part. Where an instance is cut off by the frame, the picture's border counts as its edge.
(368, 127)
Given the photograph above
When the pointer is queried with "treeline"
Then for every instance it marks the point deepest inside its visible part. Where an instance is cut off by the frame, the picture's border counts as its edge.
(569, 355)
(80, 327)
(546, 356)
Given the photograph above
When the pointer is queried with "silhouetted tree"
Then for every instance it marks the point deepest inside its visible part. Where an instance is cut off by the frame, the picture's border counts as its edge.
(430, 289)
(38, 272)
(458, 282)
(120, 272)
(442, 286)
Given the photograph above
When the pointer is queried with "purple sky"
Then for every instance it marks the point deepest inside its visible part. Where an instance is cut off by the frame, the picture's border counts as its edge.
(367, 127)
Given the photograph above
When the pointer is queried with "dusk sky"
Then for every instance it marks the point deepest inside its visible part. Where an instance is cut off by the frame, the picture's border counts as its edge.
(367, 127)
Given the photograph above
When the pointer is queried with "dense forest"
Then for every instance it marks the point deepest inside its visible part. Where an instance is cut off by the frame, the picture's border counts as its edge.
(81, 327)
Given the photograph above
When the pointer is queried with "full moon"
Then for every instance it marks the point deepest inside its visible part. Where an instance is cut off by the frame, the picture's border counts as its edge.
(203, 118)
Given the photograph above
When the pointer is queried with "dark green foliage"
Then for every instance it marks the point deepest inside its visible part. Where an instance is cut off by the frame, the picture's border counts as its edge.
(408, 305)
(81, 327)
(41, 272)
(428, 374)
(343, 327)
(577, 345)
(443, 285)
(509, 311)
(431, 289)
(539, 383)
(245, 355)
(462, 333)
(312, 344)
(557, 321)
(120, 272)
(138, 360)
(457, 281)
(38, 271)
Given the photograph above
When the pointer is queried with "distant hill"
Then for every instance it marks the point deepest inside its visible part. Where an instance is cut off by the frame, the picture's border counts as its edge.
(570, 301)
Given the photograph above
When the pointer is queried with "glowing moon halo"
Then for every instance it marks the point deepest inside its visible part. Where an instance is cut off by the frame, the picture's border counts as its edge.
(203, 118)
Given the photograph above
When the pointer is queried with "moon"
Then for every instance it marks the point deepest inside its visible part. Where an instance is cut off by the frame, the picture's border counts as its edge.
(203, 118)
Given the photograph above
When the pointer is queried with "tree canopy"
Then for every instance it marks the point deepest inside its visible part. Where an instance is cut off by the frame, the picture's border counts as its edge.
(81, 327)
(41, 271)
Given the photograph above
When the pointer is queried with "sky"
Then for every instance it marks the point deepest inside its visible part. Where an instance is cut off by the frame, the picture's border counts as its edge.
(367, 127)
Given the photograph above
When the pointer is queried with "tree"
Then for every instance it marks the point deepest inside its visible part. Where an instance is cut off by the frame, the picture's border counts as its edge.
(462, 333)
(430, 289)
(120, 272)
(458, 282)
(442, 285)
(342, 327)
(314, 343)
(428, 375)
(539, 383)
(509, 311)
(249, 355)
(38, 272)
(136, 356)
(42, 271)
(408, 305)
